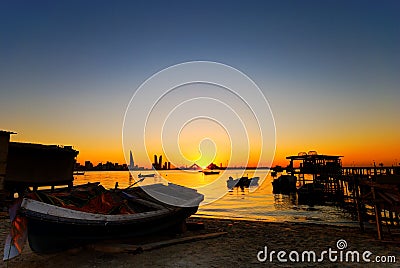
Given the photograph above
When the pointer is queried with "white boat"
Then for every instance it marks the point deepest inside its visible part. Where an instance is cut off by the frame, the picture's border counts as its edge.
(243, 182)
(152, 175)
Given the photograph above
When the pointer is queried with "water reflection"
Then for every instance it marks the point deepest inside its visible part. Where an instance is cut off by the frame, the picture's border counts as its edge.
(284, 202)
(256, 203)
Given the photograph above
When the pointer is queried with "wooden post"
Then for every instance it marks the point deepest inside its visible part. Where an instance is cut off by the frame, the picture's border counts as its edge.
(377, 214)
(358, 204)
(386, 220)
(4, 141)
(391, 218)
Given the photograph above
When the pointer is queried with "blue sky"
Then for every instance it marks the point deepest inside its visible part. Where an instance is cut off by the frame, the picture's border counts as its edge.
(69, 68)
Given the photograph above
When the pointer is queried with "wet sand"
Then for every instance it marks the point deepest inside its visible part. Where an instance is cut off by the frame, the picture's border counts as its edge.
(238, 248)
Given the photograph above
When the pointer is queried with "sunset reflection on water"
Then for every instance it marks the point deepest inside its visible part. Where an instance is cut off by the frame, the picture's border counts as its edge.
(251, 204)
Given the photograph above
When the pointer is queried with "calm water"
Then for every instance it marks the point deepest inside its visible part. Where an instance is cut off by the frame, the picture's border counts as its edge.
(256, 203)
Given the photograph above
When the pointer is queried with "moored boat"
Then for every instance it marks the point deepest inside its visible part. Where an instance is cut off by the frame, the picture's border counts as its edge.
(210, 172)
(284, 184)
(61, 220)
(254, 181)
(152, 175)
(243, 182)
(311, 193)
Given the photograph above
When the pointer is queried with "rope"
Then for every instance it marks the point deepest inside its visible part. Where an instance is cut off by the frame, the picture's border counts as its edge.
(133, 184)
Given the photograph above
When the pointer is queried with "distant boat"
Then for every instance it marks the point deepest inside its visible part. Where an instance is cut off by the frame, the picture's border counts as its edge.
(146, 175)
(254, 181)
(277, 168)
(79, 173)
(65, 219)
(210, 172)
(243, 182)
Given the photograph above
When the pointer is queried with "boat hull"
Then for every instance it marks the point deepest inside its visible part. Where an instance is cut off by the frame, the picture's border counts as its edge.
(146, 176)
(243, 182)
(52, 235)
(311, 193)
(133, 212)
(211, 172)
(285, 184)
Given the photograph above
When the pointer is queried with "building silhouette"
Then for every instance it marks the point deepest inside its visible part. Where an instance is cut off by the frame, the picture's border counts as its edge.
(131, 162)
(159, 165)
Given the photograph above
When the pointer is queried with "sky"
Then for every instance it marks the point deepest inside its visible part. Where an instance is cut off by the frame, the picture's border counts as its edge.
(329, 70)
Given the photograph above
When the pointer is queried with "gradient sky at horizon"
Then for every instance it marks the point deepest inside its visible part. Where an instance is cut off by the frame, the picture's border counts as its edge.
(329, 69)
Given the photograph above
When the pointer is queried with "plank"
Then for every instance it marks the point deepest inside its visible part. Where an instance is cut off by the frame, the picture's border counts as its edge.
(181, 240)
(126, 248)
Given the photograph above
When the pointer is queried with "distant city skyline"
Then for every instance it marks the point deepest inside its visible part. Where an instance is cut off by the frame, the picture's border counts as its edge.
(284, 164)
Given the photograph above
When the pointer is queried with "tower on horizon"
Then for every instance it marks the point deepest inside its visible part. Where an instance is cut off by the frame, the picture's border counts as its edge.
(131, 162)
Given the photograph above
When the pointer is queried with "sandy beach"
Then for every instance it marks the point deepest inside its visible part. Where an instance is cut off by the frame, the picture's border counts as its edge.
(237, 248)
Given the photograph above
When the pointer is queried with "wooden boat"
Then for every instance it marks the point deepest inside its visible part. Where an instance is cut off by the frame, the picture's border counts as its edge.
(62, 220)
(210, 172)
(278, 169)
(284, 184)
(311, 193)
(243, 182)
(146, 175)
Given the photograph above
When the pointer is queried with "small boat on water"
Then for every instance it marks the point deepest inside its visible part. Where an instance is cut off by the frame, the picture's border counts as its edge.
(284, 184)
(79, 173)
(311, 193)
(210, 172)
(146, 175)
(54, 221)
(277, 169)
(243, 182)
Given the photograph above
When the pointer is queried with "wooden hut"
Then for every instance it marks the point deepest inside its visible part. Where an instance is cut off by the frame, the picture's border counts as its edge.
(24, 165)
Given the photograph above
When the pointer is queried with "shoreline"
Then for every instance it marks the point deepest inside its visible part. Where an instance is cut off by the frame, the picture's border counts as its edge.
(239, 247)
(353, 224)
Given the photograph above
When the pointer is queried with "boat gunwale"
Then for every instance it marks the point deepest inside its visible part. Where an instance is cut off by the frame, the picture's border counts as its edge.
(39, 210)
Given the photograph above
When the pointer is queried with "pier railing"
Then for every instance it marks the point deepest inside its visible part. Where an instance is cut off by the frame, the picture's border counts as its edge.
(371, 171)
(375, 195)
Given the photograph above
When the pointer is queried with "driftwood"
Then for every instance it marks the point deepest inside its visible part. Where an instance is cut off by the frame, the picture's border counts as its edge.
(126, 248)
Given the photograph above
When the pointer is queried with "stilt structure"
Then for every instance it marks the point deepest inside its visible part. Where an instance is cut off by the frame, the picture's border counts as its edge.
(323, 180)
(376, 193)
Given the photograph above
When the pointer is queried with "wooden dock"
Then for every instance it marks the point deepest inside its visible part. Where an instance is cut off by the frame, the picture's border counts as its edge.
(375, 195)
(367, 193)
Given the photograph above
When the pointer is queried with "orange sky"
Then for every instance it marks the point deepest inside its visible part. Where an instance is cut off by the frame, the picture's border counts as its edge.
(358, 151)
(68, 73)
